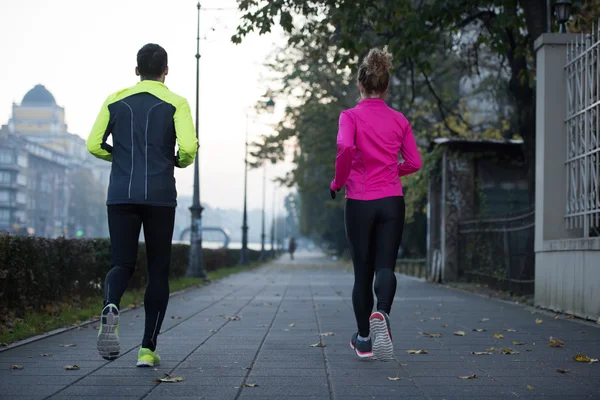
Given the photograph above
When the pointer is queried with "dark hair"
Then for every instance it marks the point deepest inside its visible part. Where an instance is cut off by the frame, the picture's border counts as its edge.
(373, 73)
(151, 61)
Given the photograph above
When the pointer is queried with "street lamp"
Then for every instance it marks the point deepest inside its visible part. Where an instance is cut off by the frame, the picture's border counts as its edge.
(244, 258)
(196, 261)
(263, 253)
(273, 224)
(562, 12)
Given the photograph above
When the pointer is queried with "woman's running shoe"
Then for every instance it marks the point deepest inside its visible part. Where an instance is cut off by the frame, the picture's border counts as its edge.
(383, 347)
(363, 348)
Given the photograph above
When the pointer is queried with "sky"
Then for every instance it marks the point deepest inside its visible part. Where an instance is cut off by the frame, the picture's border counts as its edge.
(82, 51)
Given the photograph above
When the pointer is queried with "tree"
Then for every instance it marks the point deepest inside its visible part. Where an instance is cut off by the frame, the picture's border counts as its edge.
(87, 204)
(417, 31)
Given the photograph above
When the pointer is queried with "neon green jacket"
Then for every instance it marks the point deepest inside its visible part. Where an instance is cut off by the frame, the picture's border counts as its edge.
(146, 121)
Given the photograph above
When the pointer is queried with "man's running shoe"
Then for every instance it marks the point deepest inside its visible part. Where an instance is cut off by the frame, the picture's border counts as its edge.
(363, 348)
(109, 346)
(147, 358)
(383, 348)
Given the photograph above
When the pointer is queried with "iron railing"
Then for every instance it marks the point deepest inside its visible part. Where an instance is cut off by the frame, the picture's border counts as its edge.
(498, 249)
(582, 159)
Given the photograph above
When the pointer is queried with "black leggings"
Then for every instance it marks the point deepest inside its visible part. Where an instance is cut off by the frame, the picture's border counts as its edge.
(374, 231)
(124, 223)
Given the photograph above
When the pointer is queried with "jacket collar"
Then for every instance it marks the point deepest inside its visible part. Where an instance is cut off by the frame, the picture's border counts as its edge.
(150, 82)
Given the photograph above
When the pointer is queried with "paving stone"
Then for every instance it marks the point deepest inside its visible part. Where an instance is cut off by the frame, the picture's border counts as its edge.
(263, 348)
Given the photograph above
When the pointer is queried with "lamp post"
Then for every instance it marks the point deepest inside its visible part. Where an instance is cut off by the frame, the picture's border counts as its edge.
(263, 253)
(273, 225)
(562, 11)
(244, 260)
(270, 106)
(196, 262)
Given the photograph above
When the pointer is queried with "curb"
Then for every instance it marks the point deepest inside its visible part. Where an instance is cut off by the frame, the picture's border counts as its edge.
(86, 323)
(533, 309)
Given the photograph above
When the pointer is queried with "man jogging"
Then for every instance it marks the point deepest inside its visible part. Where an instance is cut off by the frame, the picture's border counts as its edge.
(145, 121)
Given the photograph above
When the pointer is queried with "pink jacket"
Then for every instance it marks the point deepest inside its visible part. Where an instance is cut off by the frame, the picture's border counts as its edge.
(370, 138)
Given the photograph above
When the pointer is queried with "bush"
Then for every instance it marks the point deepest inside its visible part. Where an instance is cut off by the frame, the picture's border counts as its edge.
(37, 272)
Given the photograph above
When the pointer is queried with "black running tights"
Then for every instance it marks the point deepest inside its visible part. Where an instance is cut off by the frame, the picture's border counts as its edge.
(124, 223)
(374, 231)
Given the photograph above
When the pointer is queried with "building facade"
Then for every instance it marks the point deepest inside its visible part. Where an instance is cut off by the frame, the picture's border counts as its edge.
(45, 173)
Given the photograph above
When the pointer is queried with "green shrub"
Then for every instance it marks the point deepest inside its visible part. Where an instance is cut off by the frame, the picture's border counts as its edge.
(37, 272)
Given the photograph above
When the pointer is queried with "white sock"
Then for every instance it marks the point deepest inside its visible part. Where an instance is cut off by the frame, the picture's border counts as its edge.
(363, 339)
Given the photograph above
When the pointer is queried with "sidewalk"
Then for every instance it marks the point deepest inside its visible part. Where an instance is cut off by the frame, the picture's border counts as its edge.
(282, 308)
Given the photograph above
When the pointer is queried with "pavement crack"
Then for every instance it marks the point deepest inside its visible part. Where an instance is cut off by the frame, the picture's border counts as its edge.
(327, 372)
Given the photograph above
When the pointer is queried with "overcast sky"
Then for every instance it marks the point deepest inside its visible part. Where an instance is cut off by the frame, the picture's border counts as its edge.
(82, 51)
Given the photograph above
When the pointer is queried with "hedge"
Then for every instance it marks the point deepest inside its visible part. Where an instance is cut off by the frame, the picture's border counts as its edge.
(36, 272)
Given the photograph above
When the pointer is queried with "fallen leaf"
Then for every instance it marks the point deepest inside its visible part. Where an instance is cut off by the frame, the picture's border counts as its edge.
(72, 367)
(277, 295)
(154, 369)
(539, 321)
(250, 384)
(327, 334)
(267, 304)
(45, 355)
(556, 316)
(479, 330)
(562, 371)
(468, 377)
(17, 367)
(509, 351)
(498, 336)
(435, 318)
(422, 320)
(492, 349)
(431, 335)
(174, 317)
(416, 352)
(528, 350)
(169, 379)
(67, 345)
(555, 342)
(320, 344)
(529, 387)
(569, 316)
(29, 356)
(293, 324)
(445, 326)
(460, 333)
(212, 331)
(517, 343)
(510, 330)
(485, 319)
(393, 378)
(481, 353)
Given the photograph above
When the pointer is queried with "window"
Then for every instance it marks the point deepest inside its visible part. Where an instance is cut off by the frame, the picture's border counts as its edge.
(4, 196)
(22, 161)
(5, 177)
(22, 179)
(4, 215)
(21, 198)
(6, 156)
(19, 217)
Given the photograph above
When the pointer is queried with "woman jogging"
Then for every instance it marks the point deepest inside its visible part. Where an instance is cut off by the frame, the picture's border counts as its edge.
(371, 136)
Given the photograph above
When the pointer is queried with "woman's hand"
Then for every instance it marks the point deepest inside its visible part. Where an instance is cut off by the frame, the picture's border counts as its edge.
(333, 193)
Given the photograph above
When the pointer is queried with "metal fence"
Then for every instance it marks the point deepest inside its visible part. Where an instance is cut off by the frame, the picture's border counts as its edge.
(499, 251)
(582, 160)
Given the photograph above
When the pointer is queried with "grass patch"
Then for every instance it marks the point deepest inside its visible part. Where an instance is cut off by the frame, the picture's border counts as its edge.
(69, 314)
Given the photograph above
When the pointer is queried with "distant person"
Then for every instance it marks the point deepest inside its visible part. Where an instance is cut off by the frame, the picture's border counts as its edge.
(370, 139)
(145, 121)
(292, 247)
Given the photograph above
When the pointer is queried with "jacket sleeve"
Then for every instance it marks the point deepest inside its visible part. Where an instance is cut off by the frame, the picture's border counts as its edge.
(345, 150)
(410, 153)
(96, 142)
(186, 135)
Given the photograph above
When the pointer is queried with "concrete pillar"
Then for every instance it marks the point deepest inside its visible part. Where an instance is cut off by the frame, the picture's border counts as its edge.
(551, 148)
